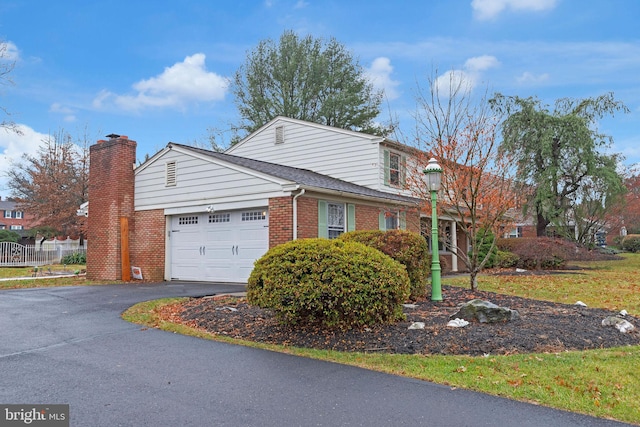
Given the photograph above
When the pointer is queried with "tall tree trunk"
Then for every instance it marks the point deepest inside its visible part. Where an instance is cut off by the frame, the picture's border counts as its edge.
(473, 279)
(541, 225)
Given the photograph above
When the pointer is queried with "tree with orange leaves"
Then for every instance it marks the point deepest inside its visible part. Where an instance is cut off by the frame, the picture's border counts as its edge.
(478, 189)
(52, 184)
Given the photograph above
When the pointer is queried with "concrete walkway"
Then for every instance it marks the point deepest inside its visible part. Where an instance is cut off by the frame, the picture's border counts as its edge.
(69, 346)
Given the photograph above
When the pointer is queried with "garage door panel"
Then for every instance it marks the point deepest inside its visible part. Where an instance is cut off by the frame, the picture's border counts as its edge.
(218, 247)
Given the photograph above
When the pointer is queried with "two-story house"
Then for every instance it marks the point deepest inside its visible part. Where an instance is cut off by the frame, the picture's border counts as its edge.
(371, 161)
(195, 214)
(11, 217)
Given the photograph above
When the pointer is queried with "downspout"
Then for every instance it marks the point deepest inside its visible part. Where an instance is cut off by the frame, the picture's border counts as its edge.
(295, 214)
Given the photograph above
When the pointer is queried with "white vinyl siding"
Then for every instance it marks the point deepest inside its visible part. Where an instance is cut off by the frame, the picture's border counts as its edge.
(337, 153)
(199, 182)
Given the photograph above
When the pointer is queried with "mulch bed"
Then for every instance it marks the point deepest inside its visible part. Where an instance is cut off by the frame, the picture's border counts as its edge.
(542, 327)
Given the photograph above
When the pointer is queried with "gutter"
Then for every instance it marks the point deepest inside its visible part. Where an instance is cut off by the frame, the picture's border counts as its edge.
(295, 213)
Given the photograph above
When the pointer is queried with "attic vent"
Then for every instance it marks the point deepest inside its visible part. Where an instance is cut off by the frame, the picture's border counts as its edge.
(171, 174)
(280, 135)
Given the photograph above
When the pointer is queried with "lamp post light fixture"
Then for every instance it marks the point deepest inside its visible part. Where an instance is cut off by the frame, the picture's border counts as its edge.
(433, 173)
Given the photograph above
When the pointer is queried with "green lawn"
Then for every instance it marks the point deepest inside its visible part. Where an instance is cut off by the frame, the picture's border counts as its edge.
(27, 279)
(603, 383)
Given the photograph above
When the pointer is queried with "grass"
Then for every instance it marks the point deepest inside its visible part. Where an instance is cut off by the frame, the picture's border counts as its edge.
(31, 282)
(603, 383)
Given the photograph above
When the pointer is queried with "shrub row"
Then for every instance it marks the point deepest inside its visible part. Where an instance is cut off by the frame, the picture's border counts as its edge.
(334, 283)
(536, 253)
(631, 243)
(74, 258)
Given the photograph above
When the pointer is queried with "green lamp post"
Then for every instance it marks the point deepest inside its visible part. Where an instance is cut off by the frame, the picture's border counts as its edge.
(433, 173)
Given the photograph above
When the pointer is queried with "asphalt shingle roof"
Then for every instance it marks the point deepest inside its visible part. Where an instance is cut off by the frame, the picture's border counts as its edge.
(302, 177)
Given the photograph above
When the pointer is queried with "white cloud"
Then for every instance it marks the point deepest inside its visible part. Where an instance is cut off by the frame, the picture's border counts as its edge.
(490, 9)
(182, 83)
(13, 146)
(9, 51)
(466, 79)
(528, 78)
(301, 4)
(481, 63)
(68, 113)
(452, 81)
(379, 74)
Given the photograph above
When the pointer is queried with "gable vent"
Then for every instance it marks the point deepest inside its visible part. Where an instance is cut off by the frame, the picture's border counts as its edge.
(280, 135)
(171, 174)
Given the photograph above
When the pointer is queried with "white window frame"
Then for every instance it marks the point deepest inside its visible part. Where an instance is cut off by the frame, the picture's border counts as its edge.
(18, 214)
(15, 227)
(515, 233)
(334, 227)
(7, 214)
(395, 171)
(392, 220)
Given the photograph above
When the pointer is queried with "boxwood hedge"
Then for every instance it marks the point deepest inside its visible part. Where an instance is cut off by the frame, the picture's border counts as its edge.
(332, 283)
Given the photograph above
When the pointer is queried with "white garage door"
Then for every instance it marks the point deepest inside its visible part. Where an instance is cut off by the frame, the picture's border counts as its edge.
(218, 247)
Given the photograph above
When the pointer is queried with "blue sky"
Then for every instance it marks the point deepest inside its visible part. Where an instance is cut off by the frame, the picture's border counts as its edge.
(157, 71)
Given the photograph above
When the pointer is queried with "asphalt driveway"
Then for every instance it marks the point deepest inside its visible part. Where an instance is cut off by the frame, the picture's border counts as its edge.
(70, 346)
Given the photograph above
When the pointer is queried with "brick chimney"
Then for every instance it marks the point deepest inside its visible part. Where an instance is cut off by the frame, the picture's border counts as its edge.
(111, 192)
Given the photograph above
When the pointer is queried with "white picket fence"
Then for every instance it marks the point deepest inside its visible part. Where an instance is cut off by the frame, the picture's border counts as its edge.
(49, 252)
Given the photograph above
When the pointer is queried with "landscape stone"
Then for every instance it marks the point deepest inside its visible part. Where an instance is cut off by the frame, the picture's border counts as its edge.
(457, 323)
(485, 312)
(620, 324)
(417, 325)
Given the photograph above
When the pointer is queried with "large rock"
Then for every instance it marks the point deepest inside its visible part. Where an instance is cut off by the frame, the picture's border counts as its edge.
(485, 312)
(620, 324)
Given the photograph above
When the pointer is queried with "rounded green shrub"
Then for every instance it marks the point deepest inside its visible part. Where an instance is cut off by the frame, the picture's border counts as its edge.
(631, 243)
(506, 259)
(483, 240)
(332, 283)
(74, 258)
(409, 249)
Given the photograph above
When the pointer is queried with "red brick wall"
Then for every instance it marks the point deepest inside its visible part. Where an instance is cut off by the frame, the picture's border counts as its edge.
(147, 243)
(529, 231)
(280, 220)
(307, 218)
(413, 220)
(367, 217)
(111, 190)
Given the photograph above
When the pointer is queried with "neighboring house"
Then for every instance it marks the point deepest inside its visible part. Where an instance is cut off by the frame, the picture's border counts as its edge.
(194, 214)
(11, 217)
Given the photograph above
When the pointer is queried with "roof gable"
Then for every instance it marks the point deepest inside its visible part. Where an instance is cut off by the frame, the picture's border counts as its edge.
(281, 119)
(302, 177)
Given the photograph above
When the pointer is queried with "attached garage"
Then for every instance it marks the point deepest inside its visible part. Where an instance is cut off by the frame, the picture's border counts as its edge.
(220, 245)
(198, 215)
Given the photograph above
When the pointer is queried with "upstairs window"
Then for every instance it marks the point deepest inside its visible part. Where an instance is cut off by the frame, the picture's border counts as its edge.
(13, 214)
(394, 169)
